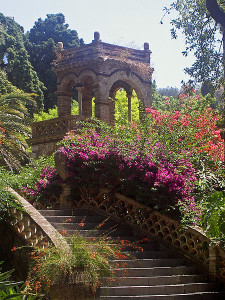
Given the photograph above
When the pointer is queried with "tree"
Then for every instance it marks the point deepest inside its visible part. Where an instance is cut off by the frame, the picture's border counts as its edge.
(219, 16)
(169, 91)
(16, 129)
(14, 59)
(202, 36)
(14, 123)
(41, 43)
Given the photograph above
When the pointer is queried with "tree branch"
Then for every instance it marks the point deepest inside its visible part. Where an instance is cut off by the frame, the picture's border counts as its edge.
(216, 12)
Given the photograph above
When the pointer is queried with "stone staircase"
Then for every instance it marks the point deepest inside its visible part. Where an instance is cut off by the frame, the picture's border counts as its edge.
(154, 273)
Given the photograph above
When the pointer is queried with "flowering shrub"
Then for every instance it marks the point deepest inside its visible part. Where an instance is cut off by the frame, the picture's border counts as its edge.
(189, 127)
(89, 262)
(48, 184)
(166, 162)
(99, 159)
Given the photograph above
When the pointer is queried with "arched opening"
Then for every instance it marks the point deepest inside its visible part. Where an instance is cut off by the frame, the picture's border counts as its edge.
(126, 103)
(76, 97)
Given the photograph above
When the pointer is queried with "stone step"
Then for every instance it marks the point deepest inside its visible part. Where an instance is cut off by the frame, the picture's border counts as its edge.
(87, 225)
(156, 254)
(156, 280)
(68, 212)
(112, 236)
(188, 296)
(149, 263)
(157, 289)
(114, 232)
(155, 271)
(75, 219)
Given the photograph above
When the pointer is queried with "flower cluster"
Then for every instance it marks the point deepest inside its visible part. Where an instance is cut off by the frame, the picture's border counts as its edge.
(49, 183)
(96, 159)
(90, 261)
(189, 124)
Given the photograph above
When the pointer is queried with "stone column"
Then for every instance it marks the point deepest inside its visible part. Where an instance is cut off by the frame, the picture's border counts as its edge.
(64, 103)
(129, 96)
(212, 263)
(103, 111)
(80, 89)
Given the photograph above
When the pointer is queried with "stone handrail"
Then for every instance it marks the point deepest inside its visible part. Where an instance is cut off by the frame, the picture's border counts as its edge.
(191, 242)
(57, 127)
(33, 227)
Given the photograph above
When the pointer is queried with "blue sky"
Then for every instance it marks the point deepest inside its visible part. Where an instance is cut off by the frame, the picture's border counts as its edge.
(123, 22)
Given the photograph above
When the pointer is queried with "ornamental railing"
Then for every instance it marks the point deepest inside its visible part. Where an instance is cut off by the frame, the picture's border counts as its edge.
(33, 227)
(191, 242)
(57, 127)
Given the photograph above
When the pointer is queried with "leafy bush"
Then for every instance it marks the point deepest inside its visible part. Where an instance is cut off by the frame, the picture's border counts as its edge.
(116, 160)
(90, 261)
(213, 221)
(7, 201)
(12, 290)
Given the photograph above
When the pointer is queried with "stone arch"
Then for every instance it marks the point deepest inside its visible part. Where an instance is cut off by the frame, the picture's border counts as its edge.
(96, 69)
(112, 94)
(65, 93)
(84, 84)
(127, 81)
(86, 93)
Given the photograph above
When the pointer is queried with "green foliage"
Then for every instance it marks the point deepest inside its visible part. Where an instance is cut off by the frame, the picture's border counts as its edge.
(169, 91)
(12, 290)
(28, 174)
(213, 221)
(121, 108)
(194, 103)
(7, 201)
(7, 287)
(42, 116)
(89, 261)
(15, 59)
(41, 43)
(6, 87)
(53, 113)
(16, 126)
(202, 36)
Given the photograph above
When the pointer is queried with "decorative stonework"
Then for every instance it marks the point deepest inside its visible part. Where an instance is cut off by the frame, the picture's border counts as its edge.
(101, 69)
(46, 134)
(190, 242)
(33, 227)
(95, 70)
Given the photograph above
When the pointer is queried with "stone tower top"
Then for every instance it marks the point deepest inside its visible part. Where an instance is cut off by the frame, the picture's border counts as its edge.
(96, 70)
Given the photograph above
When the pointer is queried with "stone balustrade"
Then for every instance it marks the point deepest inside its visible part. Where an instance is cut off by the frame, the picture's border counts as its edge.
(57, 128)
(33, 227)
(190, 242)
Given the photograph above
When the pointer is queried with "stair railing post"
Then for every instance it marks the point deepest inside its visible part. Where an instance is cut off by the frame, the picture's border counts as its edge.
(64, 200)
(212, 262)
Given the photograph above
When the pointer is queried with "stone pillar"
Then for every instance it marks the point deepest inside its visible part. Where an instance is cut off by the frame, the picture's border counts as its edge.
(87, 107)
(147, 95)
(129, 96)
(103, 111)
(64, 103)
(64, 200)
(147, 52)
(212, 263)
(80, 89)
